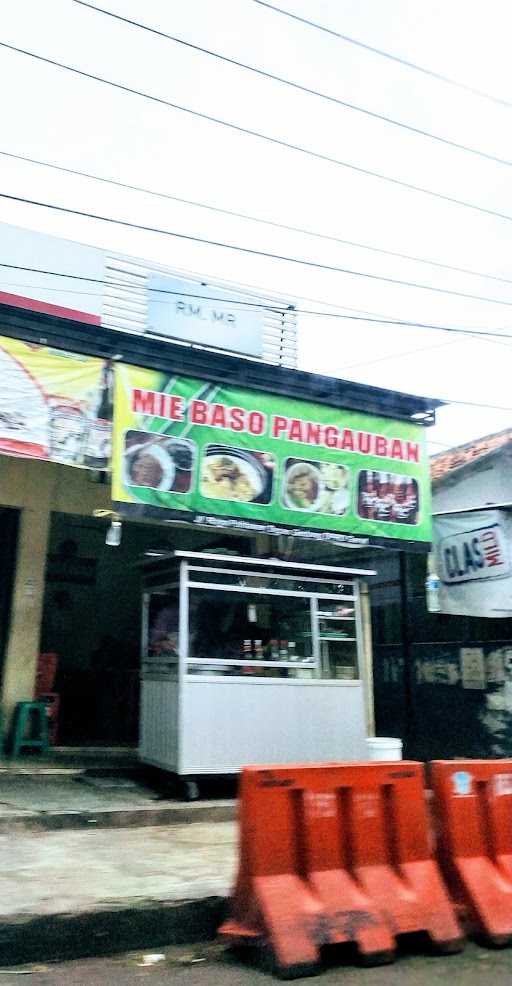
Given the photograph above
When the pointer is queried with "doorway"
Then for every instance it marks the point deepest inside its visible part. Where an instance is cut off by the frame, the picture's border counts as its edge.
(92, 614)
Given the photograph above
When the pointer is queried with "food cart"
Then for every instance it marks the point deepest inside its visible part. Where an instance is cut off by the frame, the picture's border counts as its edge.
(250, 660)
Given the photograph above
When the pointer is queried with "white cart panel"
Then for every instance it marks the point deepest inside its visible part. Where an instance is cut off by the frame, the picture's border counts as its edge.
(230, 723)
(158, 743)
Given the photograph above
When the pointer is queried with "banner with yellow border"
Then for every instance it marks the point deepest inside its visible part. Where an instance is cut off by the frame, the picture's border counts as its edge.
(54, 405)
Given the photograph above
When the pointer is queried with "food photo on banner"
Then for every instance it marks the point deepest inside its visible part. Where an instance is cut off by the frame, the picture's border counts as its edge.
(255, 460)
(55, 405)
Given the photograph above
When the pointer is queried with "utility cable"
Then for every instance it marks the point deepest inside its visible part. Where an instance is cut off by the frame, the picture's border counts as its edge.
(255, 219)
(398, 355)
(274, 307)
(387, 54)
(253, 252)
(262, 73)
(461, 331)
(276, 141)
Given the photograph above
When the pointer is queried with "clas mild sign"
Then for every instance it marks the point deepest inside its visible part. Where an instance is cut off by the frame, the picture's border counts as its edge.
(479, 553)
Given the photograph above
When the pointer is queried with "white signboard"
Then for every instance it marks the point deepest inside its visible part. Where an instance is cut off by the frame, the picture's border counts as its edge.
(473, 561)
(470, 556)
(204, 314)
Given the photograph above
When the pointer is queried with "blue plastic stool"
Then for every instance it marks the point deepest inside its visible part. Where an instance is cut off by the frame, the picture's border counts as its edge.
(26, 714)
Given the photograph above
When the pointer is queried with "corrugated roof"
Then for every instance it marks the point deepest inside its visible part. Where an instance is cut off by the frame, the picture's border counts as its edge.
(447, 462)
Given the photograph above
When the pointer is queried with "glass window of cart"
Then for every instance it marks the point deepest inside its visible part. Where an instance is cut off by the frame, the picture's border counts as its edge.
(274, 581)
(336, 626)
(259, 630)
(163, 625)
(272, 635)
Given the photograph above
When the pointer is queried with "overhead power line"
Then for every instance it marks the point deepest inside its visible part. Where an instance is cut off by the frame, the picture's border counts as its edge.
(403, 323)
(350, 366)
(279, 309)
(276, 141)
(274, 307)
(262, 73)
(401, 354)
(387, 54)
(255, 219)
(251, 251)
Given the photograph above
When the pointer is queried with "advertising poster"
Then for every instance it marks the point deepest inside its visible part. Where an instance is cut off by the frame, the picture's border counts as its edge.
(257, 461)
(54, 405)
(473, 562)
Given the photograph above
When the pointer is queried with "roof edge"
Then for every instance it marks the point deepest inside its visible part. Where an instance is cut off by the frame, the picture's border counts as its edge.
(195, 360)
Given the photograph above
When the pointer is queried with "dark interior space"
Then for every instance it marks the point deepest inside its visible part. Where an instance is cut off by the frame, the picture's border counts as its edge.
(92, 620)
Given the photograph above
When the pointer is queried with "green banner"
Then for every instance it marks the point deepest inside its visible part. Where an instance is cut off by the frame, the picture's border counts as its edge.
(250, 460)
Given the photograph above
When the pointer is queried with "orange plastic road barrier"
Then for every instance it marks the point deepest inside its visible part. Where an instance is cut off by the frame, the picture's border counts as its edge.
(336, 853)
(473, 803)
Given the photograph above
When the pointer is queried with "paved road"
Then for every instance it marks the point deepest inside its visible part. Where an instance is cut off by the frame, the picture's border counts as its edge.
(211, 967)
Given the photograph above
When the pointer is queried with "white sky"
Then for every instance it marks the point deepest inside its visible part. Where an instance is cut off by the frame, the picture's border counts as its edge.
(49, 114)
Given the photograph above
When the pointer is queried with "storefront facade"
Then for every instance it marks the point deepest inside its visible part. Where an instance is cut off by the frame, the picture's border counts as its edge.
(443, 679)
(210, 451)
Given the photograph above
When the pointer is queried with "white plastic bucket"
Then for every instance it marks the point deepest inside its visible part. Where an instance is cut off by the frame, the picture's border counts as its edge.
(384, 748)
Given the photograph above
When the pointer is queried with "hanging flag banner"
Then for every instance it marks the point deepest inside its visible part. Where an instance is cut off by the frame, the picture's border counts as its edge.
(54, 405)
(225, 456)
(473, 561)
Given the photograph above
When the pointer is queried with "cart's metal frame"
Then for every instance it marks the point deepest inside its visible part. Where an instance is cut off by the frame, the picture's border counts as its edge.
(185, 716)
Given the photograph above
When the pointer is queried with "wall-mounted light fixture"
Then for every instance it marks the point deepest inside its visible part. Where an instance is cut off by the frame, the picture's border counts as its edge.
(115, 531)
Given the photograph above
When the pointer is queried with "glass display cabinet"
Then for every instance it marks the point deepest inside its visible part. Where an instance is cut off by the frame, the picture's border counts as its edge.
(248, 660)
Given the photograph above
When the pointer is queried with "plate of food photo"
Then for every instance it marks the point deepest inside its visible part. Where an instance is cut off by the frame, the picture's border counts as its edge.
(236, 474)
(158, 463)
(303, 487)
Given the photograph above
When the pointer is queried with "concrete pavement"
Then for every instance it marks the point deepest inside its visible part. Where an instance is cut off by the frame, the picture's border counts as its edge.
(40, 798)
(79, 893)
(207, 966)
(97, 855)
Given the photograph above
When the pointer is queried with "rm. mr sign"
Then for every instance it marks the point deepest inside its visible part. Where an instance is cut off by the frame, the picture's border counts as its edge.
(203, 314)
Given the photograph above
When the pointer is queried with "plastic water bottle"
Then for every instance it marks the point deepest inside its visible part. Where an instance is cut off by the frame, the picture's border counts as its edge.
(432, 589)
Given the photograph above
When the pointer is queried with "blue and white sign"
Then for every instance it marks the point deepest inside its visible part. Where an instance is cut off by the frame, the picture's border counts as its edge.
(473, 559)
(204, 314)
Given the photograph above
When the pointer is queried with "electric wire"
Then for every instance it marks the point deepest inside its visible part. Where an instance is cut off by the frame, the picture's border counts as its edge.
(252, 251)
(101, 281)
(262, 73)
(246, 216)
(438, 76)
(276, 141)
(406, 323)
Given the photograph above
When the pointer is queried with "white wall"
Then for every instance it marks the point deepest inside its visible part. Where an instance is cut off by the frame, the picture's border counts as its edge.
(481, 484)
(25, 248)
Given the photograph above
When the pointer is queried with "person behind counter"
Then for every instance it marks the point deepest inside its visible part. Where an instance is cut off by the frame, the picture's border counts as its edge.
(164, 633)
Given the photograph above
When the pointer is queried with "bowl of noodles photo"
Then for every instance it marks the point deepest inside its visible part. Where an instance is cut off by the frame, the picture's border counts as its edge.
(158, 462)
(150, 466)
(303, 487)
(233, 474)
